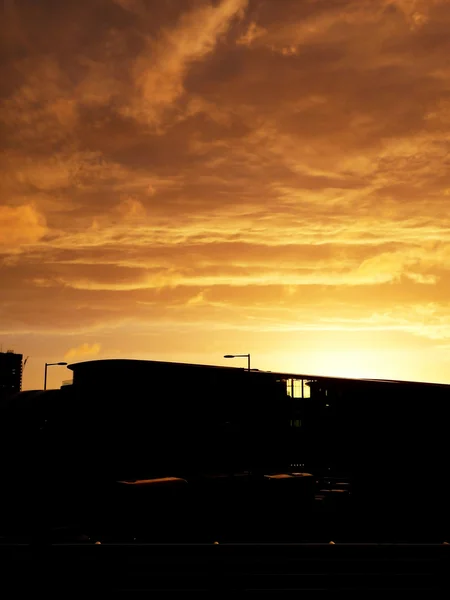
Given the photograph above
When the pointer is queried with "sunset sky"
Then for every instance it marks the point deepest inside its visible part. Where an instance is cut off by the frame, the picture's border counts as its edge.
(184, 179)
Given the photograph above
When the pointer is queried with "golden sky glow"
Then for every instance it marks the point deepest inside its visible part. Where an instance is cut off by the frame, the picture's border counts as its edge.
(182, 179)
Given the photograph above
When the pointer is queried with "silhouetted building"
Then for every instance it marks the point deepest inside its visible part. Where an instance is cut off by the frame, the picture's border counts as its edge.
(124, 420)
(10, 373)
(157, 417)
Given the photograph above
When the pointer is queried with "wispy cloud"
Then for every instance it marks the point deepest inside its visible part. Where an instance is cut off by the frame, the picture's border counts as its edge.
(82, 352)
(161, 68)
(230, 165)
(20, 226)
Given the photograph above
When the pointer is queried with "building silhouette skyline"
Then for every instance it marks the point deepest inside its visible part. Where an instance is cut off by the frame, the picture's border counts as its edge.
(10, 373)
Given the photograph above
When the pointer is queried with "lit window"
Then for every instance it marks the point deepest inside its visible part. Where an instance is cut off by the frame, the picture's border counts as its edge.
(288, 386)
(297, 388)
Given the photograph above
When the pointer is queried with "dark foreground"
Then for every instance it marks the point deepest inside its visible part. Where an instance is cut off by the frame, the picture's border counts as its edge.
(87, 567)
(233, 508)
(282, 532)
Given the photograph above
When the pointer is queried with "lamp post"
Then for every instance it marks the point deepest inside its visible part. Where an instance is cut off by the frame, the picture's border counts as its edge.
(61, 364)
(247, 356)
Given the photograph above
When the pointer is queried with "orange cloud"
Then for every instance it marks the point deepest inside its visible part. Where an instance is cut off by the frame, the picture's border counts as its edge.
(160, 70)
(233, 170)
(20, 226)
(84, 351)
(253, 32)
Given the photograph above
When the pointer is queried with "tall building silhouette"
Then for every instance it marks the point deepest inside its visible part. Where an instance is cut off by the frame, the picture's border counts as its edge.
(10, 373)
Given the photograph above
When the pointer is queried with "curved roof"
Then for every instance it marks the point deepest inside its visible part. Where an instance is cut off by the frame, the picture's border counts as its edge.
(117, 363)
(113, 365)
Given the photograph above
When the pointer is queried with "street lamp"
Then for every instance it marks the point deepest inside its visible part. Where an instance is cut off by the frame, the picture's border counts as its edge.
(247, 356)
(61, 364)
